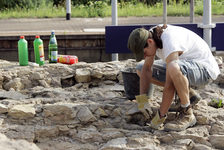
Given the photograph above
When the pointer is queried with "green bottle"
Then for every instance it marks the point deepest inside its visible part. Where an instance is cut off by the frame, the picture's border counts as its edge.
(53, 48)
(23, 51)
(38, 50)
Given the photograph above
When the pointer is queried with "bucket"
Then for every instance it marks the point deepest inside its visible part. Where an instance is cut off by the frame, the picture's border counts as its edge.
(131, 84)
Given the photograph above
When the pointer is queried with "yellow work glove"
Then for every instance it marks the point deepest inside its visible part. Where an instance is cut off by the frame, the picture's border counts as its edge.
(143, 105)
(157, 122)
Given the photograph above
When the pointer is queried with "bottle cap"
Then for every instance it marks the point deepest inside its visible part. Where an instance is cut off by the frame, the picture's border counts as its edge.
(21, 37)
(52, 31)
(37, 36)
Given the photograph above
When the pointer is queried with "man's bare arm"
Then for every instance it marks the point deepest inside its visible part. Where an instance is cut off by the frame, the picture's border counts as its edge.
(146, 75)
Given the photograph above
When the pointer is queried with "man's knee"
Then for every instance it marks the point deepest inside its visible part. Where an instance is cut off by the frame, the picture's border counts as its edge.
(173, 69)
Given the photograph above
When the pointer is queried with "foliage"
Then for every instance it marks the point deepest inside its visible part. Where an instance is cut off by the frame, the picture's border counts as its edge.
(24, 4)
(28, 4)
(86, 2)
(100, 8)
(96, 9)
(217, 103)
(58, 3)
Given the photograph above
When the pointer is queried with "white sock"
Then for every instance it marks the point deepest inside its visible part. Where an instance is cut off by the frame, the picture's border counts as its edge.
(185, 105)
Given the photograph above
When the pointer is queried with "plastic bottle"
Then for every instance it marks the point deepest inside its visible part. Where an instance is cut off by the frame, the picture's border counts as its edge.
(53, 48)
(67, 59)
(38, 50)
(23, 51)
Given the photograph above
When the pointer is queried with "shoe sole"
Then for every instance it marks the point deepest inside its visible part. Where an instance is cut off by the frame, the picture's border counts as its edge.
(182, 129)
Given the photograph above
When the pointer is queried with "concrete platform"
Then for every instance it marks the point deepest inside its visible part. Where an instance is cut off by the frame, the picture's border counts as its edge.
(83, 37)
(33, 26)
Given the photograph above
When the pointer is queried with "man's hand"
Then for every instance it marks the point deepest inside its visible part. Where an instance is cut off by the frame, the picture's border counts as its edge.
(157, 122)
(143, 105)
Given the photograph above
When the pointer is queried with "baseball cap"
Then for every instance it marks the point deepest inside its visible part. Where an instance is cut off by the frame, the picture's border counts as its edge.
(136, 42)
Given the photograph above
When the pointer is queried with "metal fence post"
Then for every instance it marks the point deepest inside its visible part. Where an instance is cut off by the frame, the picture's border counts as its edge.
(164, 11)
(68, 9)
(114, 23)
(207, 23)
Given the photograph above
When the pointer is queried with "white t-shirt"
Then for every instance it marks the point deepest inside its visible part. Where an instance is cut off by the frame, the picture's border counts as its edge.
(175, 38)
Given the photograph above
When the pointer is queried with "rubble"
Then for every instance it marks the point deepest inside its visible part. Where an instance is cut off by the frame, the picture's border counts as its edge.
(84, 106)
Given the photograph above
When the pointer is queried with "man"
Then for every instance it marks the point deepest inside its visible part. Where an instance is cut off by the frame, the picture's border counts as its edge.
(189, 62)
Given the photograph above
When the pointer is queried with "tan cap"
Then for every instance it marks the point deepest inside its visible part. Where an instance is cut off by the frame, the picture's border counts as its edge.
(136, 42)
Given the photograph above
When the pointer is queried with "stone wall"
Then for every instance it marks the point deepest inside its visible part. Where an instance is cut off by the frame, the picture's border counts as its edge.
(83, 106)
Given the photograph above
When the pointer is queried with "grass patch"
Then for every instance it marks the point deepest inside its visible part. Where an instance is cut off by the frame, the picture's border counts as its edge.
(33, 13)
(218, 8)
(99, 9)
(139, 10)
(217, 103)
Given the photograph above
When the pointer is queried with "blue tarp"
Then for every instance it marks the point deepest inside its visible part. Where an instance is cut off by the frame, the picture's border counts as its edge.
(117, 36)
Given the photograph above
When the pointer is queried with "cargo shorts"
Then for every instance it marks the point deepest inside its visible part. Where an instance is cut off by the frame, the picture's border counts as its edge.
(196, 73)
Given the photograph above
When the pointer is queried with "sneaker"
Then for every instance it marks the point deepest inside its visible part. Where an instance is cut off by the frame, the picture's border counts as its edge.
(194, 99)
(185, 119)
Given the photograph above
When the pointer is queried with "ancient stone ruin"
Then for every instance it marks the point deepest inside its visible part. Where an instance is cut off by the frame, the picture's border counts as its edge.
(84, 106)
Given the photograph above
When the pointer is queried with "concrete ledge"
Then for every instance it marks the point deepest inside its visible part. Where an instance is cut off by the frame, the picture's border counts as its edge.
(57, 32)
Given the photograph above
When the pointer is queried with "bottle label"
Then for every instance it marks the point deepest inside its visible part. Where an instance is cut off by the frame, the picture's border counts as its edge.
(41, 52)
(54, 55)
(67, 59)
(64, 59)
(41, 58)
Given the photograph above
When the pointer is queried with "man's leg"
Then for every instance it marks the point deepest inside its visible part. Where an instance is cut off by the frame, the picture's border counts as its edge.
(186, 117)
(179, 81)
(159, 80)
